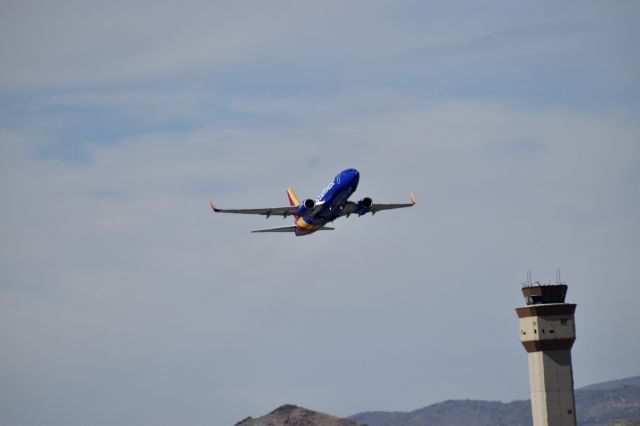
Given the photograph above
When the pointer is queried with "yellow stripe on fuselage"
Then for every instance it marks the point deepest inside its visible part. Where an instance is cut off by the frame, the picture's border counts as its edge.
(304, 225)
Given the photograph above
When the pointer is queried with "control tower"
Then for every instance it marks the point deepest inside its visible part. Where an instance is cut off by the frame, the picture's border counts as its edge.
(547, 332)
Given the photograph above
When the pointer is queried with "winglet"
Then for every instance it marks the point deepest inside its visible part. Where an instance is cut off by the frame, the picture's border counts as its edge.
(213, 206)
(413, 197)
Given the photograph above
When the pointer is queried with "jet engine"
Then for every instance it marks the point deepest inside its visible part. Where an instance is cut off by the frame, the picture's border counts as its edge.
(364, 205)
(306, 207)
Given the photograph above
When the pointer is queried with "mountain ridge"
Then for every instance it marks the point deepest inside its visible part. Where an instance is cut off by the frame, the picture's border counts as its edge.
(610, 403)
(615, 402)
(292, 415)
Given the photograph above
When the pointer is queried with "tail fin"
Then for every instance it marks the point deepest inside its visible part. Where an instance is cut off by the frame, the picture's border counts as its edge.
(293, 200)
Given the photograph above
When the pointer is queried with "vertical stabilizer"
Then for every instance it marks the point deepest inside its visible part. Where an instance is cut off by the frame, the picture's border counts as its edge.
(293, 200)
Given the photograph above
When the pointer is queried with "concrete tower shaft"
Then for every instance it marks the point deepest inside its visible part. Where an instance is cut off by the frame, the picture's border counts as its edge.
(547, 332)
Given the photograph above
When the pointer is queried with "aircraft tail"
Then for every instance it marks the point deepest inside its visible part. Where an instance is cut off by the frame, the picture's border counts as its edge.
(293, 200)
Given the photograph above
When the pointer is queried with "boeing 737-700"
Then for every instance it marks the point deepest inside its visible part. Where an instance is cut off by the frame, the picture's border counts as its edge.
(313, 215)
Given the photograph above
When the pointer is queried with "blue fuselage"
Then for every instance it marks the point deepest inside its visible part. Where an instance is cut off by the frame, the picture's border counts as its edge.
(330, 201)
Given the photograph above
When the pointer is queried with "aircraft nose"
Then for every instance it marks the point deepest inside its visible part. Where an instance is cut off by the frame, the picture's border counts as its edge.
(354, 178)
(351, 173)
(350, 177)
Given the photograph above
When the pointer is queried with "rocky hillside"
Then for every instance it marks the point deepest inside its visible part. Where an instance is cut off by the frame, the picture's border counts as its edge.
(291, 415)
(604, 405)
(458, 412)
(610, 403)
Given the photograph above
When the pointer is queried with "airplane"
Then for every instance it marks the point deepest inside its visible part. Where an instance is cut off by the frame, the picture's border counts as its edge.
(313, 215)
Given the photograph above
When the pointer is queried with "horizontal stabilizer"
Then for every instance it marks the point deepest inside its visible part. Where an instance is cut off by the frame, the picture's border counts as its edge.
(279, 229)
(290, 229)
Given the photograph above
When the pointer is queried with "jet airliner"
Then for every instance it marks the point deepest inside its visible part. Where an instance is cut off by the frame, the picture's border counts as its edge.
(313, 215)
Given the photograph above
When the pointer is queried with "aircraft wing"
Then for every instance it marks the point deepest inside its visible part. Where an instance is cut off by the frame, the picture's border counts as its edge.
(352, 207)
(378, 207)
(274, 211)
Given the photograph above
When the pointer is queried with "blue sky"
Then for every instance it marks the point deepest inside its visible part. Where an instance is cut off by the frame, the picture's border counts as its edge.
(124, 300)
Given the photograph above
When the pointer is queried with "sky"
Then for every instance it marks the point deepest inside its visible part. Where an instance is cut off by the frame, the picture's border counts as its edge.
(125, 301)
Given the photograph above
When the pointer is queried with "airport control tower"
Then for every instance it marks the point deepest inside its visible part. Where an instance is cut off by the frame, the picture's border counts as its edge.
(547, 332)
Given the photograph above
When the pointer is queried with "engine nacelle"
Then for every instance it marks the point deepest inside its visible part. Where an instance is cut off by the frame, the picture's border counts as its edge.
(306, 207)
(364, 205)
